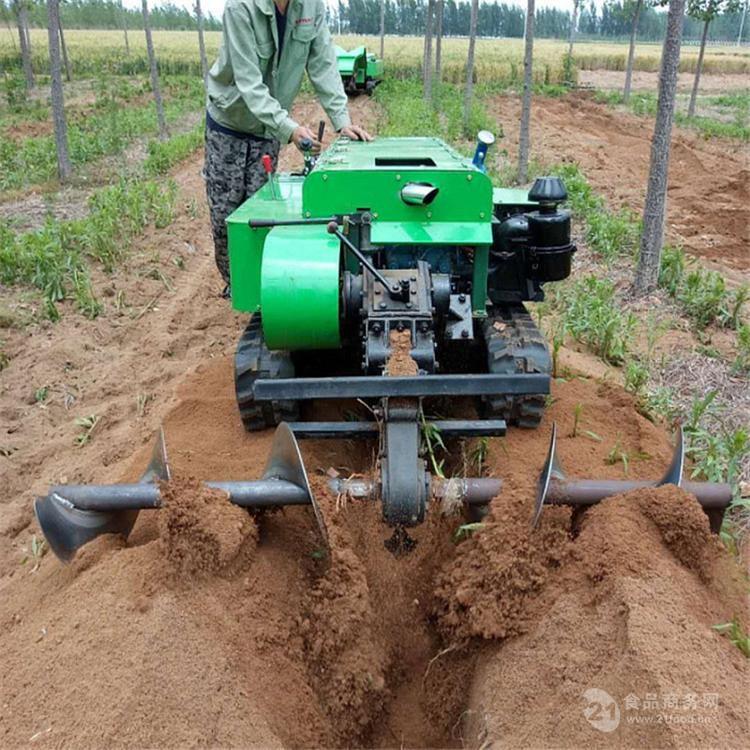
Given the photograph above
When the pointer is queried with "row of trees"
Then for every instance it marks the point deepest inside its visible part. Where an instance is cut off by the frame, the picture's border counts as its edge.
(613, 20)
(109, 14)
(407, 17)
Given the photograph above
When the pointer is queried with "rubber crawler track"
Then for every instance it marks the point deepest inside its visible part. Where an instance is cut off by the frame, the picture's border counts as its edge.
(516, 345)
(254, 360)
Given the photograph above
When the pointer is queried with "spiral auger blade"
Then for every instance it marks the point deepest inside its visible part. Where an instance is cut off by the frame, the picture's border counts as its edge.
(554, 488)
(67, 527)
(73, 515)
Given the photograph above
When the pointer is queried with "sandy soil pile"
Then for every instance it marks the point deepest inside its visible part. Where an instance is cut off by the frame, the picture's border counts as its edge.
(207, 629)
(630, 613)
(613, 149)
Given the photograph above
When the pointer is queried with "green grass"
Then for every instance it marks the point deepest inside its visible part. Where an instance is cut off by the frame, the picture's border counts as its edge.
(593, 315)
(109, 130)
(404, 111)
(163, 155)
(608, 233)
(55, 259)
(736, 106)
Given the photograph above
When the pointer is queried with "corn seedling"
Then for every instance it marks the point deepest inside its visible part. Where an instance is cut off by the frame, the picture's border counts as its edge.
(737, 636)
(87, 426)
(466, 530)
(577, 412)
(432, 440)
(479, 454)
(34, 552)
(41, 394)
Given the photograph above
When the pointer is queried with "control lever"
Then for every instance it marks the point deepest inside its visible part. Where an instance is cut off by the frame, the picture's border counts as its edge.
(268, 168)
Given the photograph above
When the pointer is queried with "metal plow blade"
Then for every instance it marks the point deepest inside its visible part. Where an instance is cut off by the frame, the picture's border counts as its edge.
(73, 515)
(554, 488)
(67, 526)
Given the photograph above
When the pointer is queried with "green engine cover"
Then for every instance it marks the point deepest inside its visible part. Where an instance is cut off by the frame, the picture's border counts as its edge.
(299, 288)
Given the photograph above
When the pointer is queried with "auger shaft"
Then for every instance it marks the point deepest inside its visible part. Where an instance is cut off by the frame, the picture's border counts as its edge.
(592, 491)
(261, 493)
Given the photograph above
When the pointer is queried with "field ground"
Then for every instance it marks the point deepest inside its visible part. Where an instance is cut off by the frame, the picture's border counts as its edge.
(227, 631)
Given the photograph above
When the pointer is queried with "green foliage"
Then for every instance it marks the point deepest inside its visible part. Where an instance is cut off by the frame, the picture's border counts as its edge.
(636, 376)
(742, 361)
(53, 258)
(163, 155)
(716, 449)
(107, 131)
(406, 112)
(736, 634)
(594, 317)
(706, 300)
(609, 234)
(672, 269)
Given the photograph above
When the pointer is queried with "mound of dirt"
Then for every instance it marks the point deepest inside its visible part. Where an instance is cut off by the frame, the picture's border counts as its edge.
(199, 529)
(625, 623)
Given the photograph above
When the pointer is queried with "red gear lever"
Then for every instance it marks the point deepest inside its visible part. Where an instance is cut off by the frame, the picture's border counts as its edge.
(268, 167)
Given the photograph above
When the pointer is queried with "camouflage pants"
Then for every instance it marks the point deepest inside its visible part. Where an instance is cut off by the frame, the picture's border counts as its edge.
(234, 171)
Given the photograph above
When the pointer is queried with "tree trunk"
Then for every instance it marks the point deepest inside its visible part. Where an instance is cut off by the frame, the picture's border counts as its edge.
(440, 9)
(22, 15)
(154, 72)
(64, 168)
(469, 90)
(66, 62)
(631, 53)
(528, 84)
(201, 40)
(427, 62)
(382, 29)
(698, 68)
(573, 25)
(654, 209)
(124, 18)
(742, 23)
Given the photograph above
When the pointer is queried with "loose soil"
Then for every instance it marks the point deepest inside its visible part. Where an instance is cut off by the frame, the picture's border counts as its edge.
(644, 80)
(708, 208)
(211, 627)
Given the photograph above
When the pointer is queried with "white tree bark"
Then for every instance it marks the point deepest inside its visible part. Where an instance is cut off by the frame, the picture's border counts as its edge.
(201, 40)
(382, 29)
(573, 27)
(22, 16)
(654, 209)
(469, 90)
(440, 10)
(66, 61)
(154, 72)
(698, 69)
(427, 61)
(64, 168)
(631, 52)
(524, 139)
(124, 18)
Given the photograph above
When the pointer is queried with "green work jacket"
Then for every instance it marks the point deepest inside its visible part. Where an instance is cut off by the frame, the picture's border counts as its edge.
(251, 90)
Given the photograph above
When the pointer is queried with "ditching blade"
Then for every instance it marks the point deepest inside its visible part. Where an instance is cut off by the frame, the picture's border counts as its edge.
(554, 488)
(66, 528)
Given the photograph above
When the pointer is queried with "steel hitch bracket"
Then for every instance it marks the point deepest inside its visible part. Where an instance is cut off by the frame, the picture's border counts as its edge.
(554, 488)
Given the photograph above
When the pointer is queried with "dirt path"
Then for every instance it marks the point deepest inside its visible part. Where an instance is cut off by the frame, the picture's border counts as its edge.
(708, 182)
(644, 80)
(208, 628)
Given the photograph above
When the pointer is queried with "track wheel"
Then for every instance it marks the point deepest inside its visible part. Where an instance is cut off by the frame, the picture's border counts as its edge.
(515, 345)
(254, 360)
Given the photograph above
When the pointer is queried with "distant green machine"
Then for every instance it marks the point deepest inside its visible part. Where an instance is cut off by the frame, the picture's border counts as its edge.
(390, 274)
(360, 71)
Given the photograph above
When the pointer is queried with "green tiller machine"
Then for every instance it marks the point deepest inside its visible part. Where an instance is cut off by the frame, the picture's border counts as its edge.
(361, 71)
(392, 273)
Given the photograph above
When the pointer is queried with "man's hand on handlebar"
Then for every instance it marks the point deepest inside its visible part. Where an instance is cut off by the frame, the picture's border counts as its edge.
(355, 133)
(304, 139)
